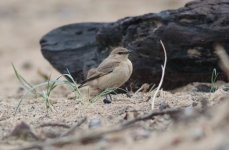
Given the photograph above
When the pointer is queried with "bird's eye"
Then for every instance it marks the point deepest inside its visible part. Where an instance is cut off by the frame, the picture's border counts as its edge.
(122, 53)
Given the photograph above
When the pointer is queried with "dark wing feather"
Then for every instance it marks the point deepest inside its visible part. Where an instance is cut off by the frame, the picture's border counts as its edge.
(104, 68)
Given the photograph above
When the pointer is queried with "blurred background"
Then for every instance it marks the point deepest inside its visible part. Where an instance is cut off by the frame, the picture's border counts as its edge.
(24, 22)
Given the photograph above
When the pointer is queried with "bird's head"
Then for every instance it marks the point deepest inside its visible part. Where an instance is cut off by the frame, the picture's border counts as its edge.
(120, 52)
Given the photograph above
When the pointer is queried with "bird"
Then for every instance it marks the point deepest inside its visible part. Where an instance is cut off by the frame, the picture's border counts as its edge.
(112, 72)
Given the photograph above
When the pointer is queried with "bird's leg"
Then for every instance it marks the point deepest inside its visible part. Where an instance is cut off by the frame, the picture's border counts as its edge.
(110, 96)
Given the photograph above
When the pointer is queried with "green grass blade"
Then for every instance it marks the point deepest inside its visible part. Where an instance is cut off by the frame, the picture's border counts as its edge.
(24, 83)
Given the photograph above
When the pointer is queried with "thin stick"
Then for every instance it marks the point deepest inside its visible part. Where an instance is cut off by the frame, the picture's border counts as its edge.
(93, 135)
(71, 130)
(152, 114)
(71, 139)
(162, 76)
(54, 125)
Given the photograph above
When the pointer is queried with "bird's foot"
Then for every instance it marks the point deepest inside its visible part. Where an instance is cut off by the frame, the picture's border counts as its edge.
(106, 100)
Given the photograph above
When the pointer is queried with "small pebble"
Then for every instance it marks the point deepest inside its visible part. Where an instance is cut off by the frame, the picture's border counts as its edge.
(94, 123)
(225, 87)
(197, 134)
(194, 104)
(202, 88)
(163, 105)
(188, 112)
(141, 134)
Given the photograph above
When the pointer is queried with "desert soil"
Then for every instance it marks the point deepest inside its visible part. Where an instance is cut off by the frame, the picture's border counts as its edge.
(202, 123)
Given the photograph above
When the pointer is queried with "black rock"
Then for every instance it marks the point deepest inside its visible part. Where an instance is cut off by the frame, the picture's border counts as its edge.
(188, 33)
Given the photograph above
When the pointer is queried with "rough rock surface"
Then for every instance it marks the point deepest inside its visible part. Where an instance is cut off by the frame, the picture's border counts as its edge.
(188, 33)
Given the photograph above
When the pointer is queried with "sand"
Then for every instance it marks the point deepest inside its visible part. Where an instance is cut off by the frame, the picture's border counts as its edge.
(203, 124)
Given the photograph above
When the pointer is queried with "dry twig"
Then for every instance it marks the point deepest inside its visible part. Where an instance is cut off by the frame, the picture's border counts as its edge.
(162, 76)
(153, 114)
(72, 130)
(53, 125)
(95, 135)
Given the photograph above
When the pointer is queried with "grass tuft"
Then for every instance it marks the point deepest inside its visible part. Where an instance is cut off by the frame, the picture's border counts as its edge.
(26, 85)
(213, 80)
(48, 87)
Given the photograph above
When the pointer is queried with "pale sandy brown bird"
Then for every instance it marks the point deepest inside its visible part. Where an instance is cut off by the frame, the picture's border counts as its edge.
(113, 72)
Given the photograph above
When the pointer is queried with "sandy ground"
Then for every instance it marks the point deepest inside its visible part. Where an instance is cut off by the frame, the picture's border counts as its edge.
(203, 124)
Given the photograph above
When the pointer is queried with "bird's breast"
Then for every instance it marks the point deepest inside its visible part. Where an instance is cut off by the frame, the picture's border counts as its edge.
(123, 72)
(125, 69)
(117, 77)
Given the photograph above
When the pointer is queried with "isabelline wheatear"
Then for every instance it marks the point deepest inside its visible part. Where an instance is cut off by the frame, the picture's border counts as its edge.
(113, 72)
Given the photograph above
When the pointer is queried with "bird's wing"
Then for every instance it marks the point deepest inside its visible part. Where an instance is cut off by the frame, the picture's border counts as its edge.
(91, 72)
(106, 67)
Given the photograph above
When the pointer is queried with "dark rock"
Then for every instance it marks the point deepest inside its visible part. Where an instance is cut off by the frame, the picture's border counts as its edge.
(72, 47)
(203, 88)
(188, 34)
(225, 87)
